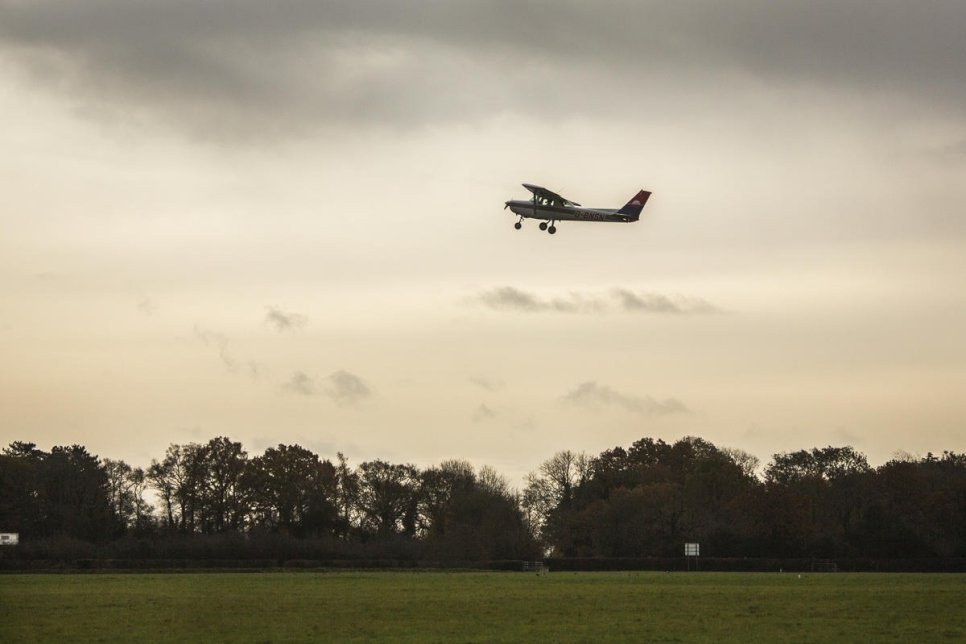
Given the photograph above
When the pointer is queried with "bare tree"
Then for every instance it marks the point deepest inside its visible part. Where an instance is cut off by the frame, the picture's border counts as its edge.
(161, 477)
(347, 495)
(138, 483)
(552, 485)
(119, 490)
(747, 462)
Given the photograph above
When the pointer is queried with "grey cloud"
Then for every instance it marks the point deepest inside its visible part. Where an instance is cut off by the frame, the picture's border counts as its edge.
(511, 298)
(256, 370)
(487, 383)
(657, 303)
(242, 70)
(147, 306)
(508, 298)
(301, 383)
(285, 321)
(483, 413)
(344, 388)
(243, 66)
(218, 341)
(592, 395)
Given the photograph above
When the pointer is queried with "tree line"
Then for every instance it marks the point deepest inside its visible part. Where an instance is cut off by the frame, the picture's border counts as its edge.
(651, 498)
(645, 500)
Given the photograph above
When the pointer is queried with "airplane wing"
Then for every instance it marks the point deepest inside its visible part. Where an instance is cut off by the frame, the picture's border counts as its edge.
(547, 194)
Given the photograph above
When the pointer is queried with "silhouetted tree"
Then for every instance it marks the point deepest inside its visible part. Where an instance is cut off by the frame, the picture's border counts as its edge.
(916, 508)
(161, 476)
(438, 485)
(347, 496)
(143, 511)
(60, 493)
(182, 475)
(119, 493)
(824, 489)
(21, 477)
(388, 498)
(293, 491)
(550, 490)
(224, 497)
(647, 500)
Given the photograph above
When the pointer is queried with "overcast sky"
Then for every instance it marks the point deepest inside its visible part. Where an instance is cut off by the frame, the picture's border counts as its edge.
(283, 222)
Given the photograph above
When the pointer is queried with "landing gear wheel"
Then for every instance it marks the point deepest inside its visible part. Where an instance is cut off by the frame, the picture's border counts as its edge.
(518, 225)
(543, 225)
(552, 230)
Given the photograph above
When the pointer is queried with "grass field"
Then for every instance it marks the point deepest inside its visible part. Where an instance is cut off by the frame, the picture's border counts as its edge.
(476, 607)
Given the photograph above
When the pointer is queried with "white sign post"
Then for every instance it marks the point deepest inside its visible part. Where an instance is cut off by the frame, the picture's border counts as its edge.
(692, 551)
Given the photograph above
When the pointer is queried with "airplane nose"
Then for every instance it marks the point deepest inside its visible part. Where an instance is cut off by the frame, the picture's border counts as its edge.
(506, 205)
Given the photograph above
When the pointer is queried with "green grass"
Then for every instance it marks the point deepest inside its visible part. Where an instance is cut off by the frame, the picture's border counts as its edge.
(477, 607)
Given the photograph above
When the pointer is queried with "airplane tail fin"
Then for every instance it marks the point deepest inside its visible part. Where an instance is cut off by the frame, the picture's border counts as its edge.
(634, 207)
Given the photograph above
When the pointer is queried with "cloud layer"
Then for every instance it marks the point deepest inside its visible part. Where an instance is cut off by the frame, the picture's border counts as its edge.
(246, 68)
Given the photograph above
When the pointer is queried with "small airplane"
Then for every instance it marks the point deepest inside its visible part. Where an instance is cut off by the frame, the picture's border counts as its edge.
(551, 207)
